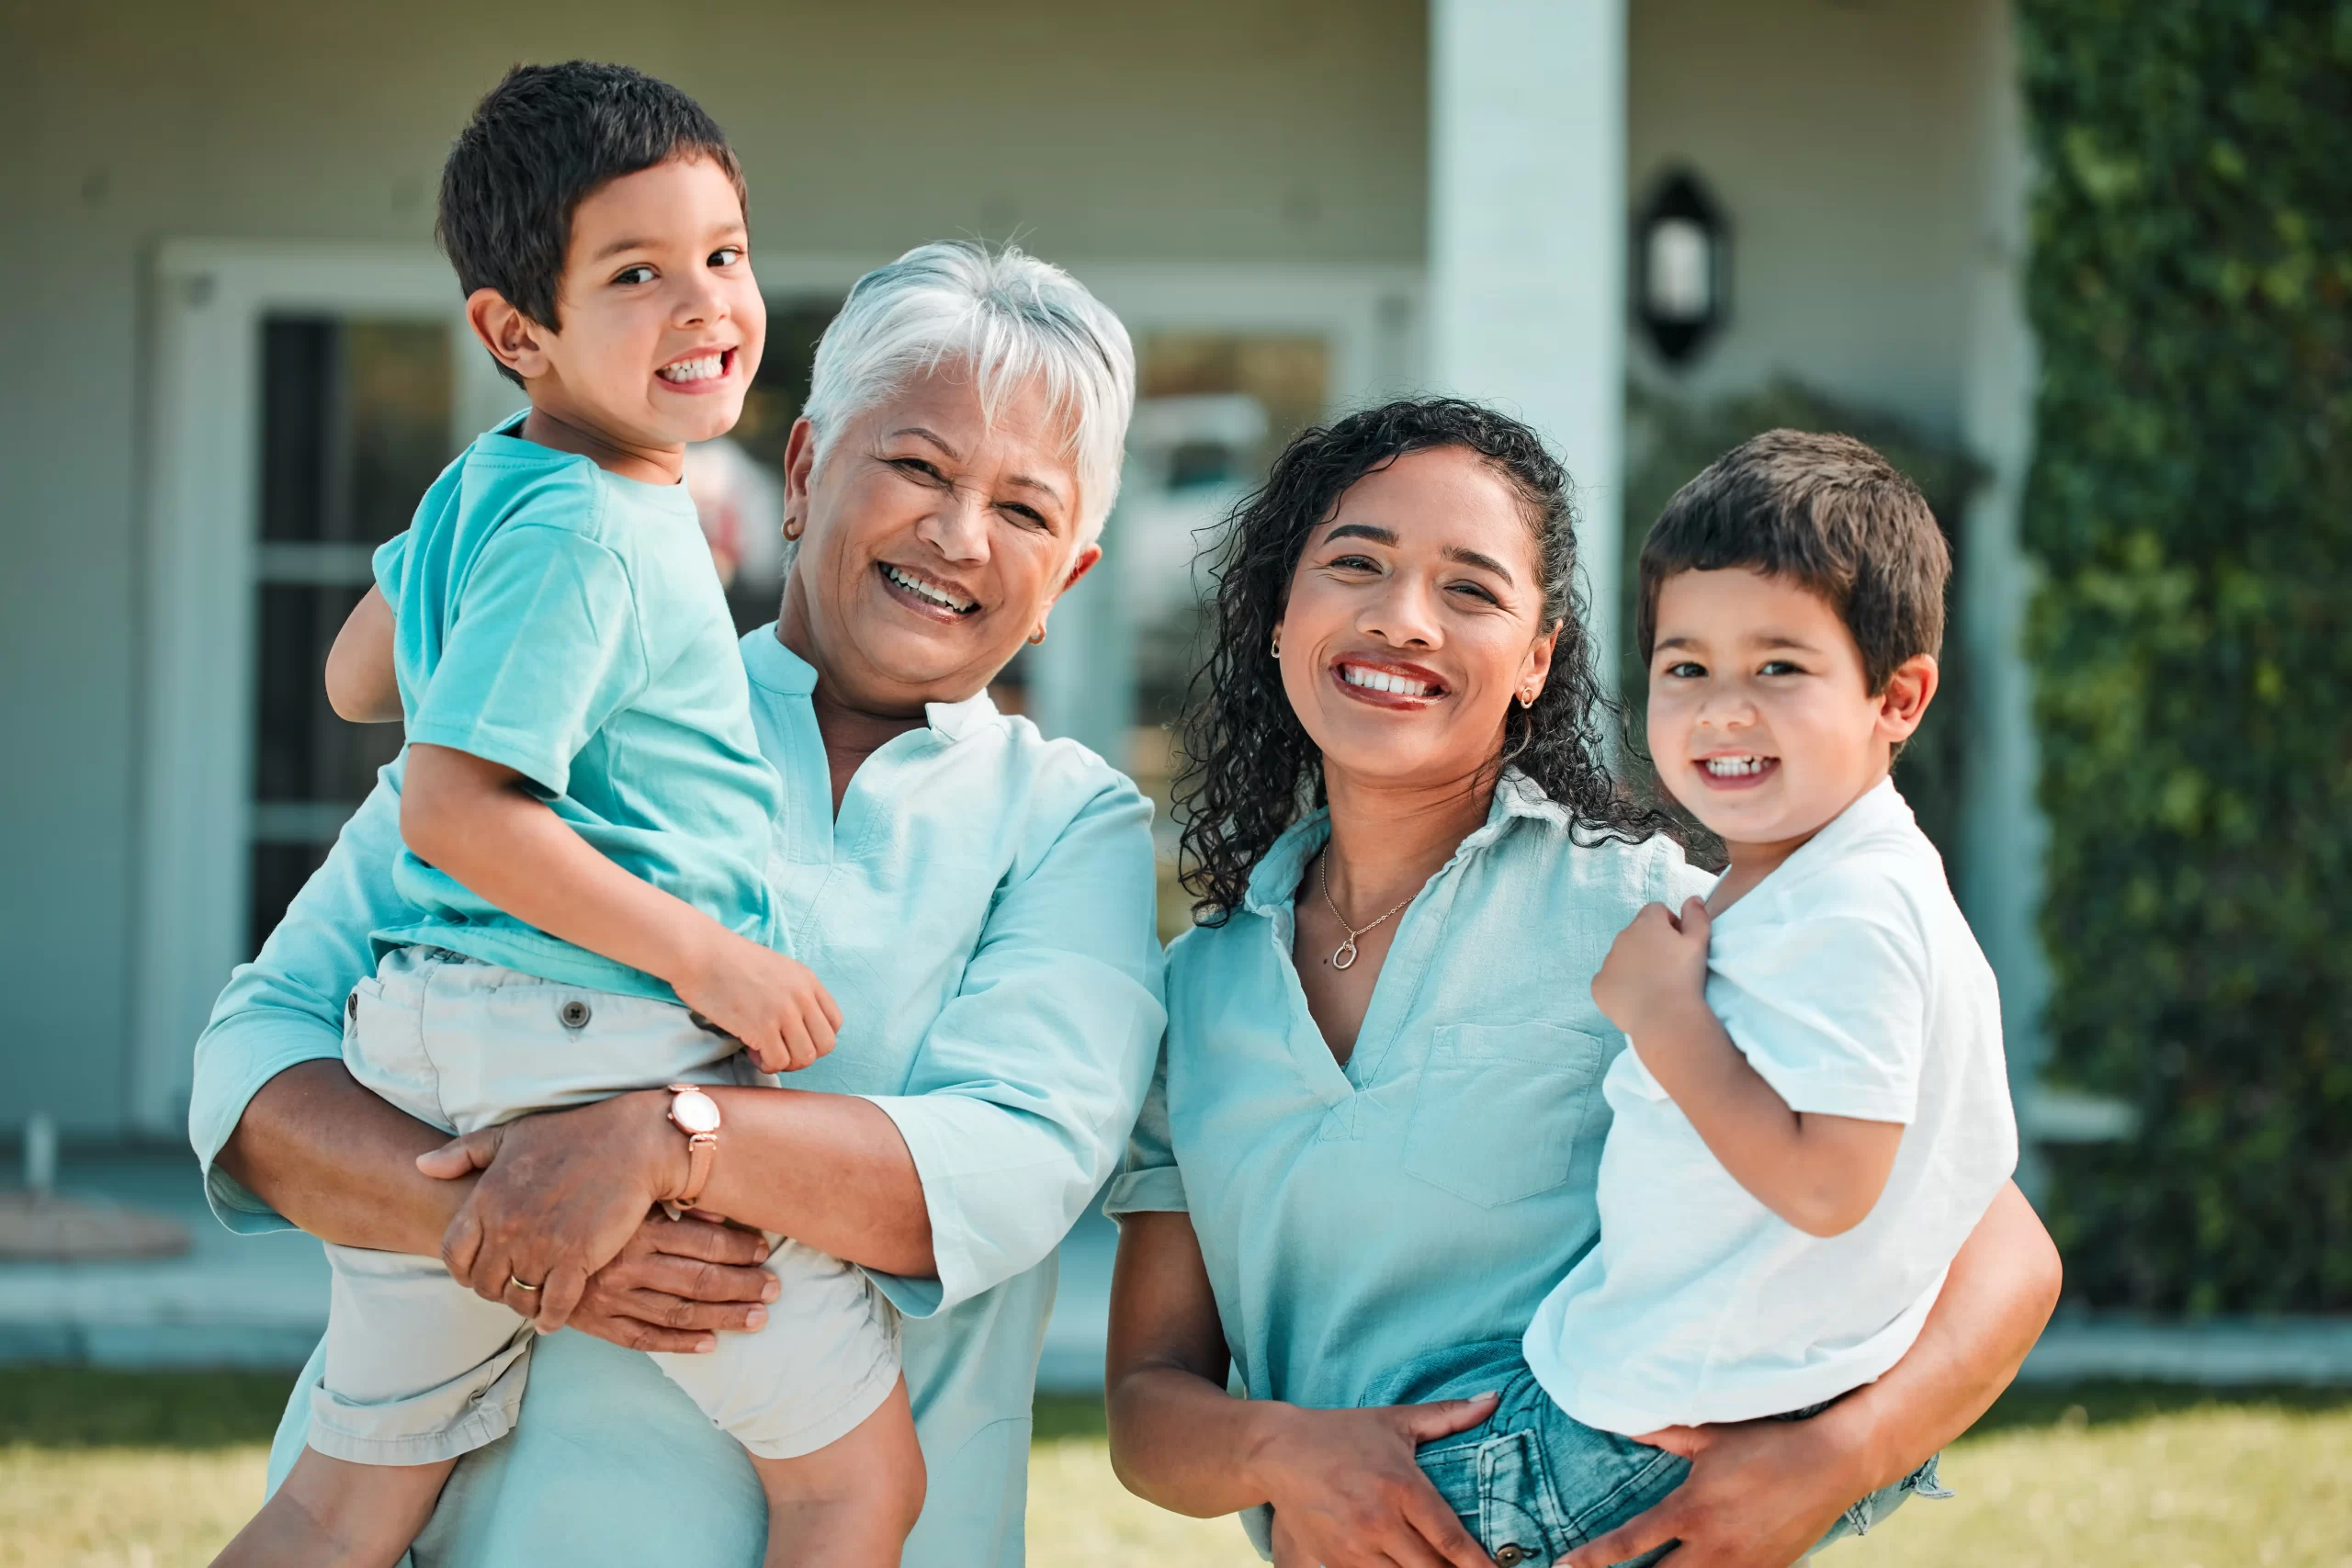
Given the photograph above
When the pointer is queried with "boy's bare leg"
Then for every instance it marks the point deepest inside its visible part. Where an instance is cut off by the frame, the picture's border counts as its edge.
(331, 1513)
(853, 1500)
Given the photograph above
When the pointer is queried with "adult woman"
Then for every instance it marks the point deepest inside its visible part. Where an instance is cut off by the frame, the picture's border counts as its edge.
(978, 900)
(1378, 1121)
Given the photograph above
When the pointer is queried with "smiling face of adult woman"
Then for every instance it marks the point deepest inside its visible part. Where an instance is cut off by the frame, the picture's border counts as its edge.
(933, 541)
(1415, 619)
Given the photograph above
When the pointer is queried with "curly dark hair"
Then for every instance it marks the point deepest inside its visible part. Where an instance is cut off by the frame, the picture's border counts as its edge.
(1249, 771)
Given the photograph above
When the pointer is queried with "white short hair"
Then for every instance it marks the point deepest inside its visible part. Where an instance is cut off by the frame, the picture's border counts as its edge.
(1012, 319)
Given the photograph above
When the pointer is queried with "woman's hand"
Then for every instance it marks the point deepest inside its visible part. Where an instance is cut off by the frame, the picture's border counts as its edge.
(561, 1195)
(678, 1285)
(1347, 1493)
(1760, 1493)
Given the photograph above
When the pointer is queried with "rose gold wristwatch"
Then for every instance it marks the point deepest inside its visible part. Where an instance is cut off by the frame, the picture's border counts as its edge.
(695, 1115)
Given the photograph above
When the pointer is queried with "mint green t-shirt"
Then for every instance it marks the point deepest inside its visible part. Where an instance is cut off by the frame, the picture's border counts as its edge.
(567, 624)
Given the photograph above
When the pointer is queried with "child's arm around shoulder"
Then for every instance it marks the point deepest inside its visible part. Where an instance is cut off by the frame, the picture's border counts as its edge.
(361, 686)
(1821, 1173)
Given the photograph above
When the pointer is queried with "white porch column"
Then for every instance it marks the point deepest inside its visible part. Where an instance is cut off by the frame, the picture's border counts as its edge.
(1527, 240)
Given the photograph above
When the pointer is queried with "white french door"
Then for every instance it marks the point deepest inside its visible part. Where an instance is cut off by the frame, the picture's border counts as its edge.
(303, 398)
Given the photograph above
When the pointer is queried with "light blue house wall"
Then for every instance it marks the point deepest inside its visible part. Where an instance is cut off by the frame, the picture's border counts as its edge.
(1854, 143)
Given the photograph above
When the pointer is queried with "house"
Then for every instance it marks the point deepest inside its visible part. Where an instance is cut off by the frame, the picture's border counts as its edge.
(236, 361)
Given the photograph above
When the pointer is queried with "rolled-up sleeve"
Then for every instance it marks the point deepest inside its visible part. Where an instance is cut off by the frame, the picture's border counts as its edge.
(286, 1007)
(1027, 1083)
(1148, 1181)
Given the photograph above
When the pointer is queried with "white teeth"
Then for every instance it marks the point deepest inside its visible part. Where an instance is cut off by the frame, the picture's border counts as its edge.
(1381, 680)
(925, 591)
(1733, 767)
(701, 369)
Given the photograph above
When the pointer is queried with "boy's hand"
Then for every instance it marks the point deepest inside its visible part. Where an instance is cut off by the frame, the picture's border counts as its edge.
(1656, 966)
(780, 1011)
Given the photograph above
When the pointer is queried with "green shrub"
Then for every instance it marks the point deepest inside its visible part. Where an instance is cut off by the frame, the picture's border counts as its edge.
(2191, 501)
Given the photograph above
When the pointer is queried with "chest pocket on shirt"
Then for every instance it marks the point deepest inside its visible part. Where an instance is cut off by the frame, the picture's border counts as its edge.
(1501, 1108)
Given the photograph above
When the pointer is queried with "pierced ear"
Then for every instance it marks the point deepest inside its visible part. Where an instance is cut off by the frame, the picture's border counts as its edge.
(513, 338)
(1536, 672)
(1904, 703)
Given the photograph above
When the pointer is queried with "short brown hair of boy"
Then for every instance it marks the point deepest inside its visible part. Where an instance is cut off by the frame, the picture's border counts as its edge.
(1823, 512)
(544, 140)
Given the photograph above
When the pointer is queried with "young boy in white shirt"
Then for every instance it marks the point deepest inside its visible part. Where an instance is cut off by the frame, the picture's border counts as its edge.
(1813, 1113)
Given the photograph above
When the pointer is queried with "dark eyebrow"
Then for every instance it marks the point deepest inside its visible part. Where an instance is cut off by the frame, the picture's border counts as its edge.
(729, 232)
(1379, 536)
(1484, 563)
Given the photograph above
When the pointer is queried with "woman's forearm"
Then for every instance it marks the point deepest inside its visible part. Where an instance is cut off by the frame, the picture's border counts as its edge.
(1180, 1442)
(829, 1170)
(1178, 1439)
(340, 1163)
(2000, 1293)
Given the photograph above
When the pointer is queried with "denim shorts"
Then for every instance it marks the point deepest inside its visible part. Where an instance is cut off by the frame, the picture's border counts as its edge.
(1533, 1484)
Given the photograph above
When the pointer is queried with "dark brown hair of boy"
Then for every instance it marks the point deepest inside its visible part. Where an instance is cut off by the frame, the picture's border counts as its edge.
(541, 141)
(1826, 512)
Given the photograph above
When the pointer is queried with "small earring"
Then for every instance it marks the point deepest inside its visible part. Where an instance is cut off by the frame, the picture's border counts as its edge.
(1278, 643)
(1527, 699)
(1037, 637)
(792, 529)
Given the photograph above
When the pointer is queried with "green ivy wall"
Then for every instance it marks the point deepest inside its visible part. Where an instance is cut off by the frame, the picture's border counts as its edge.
(2191, 505)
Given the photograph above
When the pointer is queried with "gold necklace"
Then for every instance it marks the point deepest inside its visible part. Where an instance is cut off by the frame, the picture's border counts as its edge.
(1345, 953)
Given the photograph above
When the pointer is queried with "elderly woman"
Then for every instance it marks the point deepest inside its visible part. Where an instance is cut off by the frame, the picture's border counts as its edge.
(1378, 1119)
(977, 900)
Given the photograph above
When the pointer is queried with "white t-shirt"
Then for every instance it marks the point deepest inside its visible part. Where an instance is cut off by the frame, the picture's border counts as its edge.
(1852, 983)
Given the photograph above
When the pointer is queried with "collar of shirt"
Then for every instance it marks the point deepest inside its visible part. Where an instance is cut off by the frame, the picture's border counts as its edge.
(1276, 879)
(779, 670)
(1877, 809)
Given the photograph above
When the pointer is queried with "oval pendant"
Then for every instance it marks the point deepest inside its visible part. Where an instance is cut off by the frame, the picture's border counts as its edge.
(1345, 955)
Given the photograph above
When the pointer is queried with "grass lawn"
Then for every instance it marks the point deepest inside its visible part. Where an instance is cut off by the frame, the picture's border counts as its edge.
(114, 1469)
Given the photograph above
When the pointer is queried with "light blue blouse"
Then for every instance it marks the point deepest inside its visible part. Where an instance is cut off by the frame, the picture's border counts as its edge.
(982, 909)
(1434, 1190)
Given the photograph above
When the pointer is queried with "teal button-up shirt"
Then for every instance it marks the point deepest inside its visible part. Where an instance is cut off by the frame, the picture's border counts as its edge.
(1431, 1191)
(982, 909)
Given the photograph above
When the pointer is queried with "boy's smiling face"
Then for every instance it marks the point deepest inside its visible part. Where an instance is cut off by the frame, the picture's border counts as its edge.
(663, 322)
(1761, 720)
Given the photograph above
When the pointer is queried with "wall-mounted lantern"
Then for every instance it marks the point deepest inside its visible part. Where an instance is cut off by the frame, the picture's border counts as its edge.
(1682, 268)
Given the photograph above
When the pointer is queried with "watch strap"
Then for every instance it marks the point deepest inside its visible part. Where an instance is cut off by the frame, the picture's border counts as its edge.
(702, 1153)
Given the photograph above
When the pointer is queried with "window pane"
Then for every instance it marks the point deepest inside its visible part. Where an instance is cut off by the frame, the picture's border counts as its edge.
(1213, 410)
(279, 873)
(354, 425)
(302, 752)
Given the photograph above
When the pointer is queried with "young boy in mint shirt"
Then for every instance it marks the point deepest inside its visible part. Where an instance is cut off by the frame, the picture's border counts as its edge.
(586, 818)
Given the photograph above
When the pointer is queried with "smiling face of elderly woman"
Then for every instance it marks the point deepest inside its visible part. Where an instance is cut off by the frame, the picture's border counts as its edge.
(959, 453)
(933, 540)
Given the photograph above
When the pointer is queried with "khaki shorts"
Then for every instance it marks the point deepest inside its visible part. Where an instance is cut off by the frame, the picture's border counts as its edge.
(419, 1369)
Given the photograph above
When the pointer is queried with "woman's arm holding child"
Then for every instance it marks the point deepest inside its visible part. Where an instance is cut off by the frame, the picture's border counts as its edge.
(477, 821)
(361, 687)
(1822, 1174)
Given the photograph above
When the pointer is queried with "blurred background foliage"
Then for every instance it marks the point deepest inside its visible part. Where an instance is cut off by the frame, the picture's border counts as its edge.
(2191, 503)
(1668, 440)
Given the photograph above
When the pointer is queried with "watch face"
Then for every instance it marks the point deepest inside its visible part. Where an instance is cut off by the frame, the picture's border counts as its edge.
(695, 1111)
